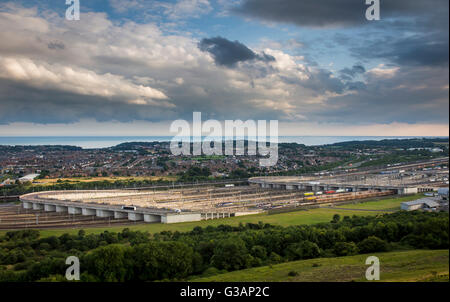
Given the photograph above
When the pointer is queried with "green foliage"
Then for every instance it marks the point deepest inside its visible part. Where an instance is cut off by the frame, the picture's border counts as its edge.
(195, 173)
(23, 234)
(231, 254)
(336, 218)
(161, 260)
(345, 249)
(108, 263)
(302, 250)
(373, 244)
(275, 258)
(137, 256)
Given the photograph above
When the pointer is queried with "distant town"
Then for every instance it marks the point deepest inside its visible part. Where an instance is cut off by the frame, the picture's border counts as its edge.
(140, 163)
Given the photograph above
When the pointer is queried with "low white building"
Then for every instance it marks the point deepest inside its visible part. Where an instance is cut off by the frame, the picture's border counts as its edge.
(29, 177)
(423, 203)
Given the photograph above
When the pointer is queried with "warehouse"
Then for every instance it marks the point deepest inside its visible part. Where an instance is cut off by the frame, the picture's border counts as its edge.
(420, 204)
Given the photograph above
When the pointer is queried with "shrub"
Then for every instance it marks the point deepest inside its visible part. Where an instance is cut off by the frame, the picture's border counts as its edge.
(302, 250)
(345, 249)
(372, 244)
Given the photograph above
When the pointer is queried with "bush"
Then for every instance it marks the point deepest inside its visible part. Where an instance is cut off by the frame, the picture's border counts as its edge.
(345, 249)
(372, 244)
(275, 258)
(292, 274)
(160, 260)
(108, 263)
(231, 254)
(302, 250)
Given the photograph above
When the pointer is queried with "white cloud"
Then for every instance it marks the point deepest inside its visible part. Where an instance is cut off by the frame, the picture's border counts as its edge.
(155, 75)
(76, 80)
(382, 72)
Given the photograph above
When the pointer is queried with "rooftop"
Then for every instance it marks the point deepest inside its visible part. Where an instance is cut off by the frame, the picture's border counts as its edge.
(430, 202)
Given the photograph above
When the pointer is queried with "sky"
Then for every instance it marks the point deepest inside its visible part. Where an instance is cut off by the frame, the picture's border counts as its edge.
(131, 67)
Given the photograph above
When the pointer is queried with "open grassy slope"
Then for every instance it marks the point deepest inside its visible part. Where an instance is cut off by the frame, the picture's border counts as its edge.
(312, 216)
(402, 266)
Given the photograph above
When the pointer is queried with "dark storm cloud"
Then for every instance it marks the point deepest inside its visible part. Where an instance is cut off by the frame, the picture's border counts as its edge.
(228, 53)
(323, 81)
(21, 103)
(398, 98)
(56, 45)
(350, 73)
(332, 12)
(429, 49)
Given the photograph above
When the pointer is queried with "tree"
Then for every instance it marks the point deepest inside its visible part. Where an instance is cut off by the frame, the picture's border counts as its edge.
(336, 218)
(231, 254)
(372, 244)
(259, 252)
(162, 260)
(275, 258)
(108, 263)
(302, 250)
(345, 249)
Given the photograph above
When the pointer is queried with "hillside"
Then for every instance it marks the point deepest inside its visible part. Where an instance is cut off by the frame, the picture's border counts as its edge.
(400, 266)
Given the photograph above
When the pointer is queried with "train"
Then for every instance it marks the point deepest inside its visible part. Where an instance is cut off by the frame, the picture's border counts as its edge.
(309, 194)
(130, 208)
(224, 204)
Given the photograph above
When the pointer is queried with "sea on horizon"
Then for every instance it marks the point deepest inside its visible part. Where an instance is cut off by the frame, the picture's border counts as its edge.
(92, 142)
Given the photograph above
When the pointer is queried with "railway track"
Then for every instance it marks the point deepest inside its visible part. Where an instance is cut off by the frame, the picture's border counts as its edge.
(14, 217)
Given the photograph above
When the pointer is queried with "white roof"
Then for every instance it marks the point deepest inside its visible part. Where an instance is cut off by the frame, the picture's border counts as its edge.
(428, 201)
(29, 177)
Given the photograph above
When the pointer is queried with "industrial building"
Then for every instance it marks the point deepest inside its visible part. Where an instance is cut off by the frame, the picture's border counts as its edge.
(429, 204)
(29, 177)
(256, 195)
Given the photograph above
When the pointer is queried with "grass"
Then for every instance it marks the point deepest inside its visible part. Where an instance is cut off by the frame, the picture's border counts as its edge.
(308, 217)
(401, 266)
(382, 204)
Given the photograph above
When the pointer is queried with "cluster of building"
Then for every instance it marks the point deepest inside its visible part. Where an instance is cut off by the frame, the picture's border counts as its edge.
(155, 159)
(436, 202)
(142, 159)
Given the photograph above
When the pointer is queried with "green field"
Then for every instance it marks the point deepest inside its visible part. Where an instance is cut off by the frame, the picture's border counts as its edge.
(312, 216)
(402, 266)
(385, 204)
